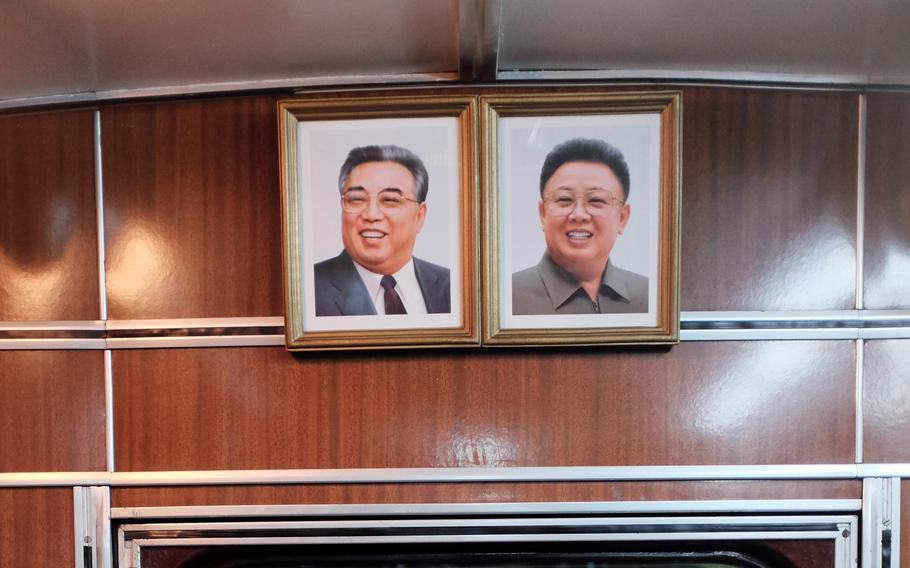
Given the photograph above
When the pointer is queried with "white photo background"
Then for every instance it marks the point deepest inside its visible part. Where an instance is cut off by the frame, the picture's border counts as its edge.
(322, 148)
(524, 144)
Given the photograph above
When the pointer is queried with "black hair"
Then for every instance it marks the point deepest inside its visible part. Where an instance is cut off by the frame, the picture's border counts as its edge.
(586, 150)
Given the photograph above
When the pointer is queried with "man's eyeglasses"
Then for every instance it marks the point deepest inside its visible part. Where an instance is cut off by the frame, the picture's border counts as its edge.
(596, 204)
(389, 202)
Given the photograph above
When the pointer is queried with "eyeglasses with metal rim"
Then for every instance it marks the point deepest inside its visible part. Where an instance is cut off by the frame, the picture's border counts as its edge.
(596, 204)
(389, 202)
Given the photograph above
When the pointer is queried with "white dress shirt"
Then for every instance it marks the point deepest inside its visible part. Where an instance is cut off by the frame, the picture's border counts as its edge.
(405, 284)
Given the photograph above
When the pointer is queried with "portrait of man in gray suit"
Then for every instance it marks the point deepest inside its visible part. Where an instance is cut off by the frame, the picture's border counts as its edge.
(583, 210)
(383, 191)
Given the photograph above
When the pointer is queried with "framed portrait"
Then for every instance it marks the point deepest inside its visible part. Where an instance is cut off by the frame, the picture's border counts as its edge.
(582, 218)
(379, 221)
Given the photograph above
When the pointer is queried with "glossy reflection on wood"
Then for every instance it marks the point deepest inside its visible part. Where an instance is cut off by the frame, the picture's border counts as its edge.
(887, 240)
(481, 492)
(36, 527)
(769, 199)
(192, 209)
(700, 403)
(52, 411)
(886, 401)
(48, 235)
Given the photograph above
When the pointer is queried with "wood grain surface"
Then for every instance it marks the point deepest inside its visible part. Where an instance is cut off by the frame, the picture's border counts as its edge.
(481, 492)
(52, 411)
(192, 209)
(886, 264)
(48, 229)
(886, 401)
(36, 527)
(699, 403)
(769, 199)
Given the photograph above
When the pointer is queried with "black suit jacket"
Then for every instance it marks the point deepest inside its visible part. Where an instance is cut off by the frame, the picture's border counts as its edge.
(341, 292)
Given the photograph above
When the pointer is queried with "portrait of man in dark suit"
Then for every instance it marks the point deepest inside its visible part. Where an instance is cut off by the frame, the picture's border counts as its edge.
(383, 191)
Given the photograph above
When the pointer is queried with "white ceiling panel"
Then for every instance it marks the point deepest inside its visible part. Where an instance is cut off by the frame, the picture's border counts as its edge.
(852, 40)
(65, 46)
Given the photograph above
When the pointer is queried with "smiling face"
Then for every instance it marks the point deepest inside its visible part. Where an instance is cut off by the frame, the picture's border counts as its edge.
(381, 241)
(578, 241)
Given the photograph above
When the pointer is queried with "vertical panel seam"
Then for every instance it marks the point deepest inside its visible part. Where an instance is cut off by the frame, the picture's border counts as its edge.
(860, 201)
(860, 348)
(99, 213)
(102, 297)
(109, 410)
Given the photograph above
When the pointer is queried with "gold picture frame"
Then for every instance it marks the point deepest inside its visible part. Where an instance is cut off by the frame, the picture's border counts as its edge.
(551, 241)
(325, 243)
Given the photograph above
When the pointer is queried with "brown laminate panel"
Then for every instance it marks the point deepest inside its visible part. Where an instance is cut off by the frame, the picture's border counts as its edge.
(482, 492)
(699, 403)
(48, 229)
(886, 264)
(886, 401)
(192, 209)
(36, 527)
(769, 199)
(52, 411)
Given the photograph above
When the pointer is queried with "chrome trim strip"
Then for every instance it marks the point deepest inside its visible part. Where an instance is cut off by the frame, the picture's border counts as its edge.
(456, 475)
(195, 341)
(860, 200)
(883, 470)
(766, 334)
(54, 479)
(73, 325)
(460, 523)
(542, 508)
(34, 344)
(99, 213)
(834, 316)
(505, 537)
(885, 333)
(79, 525)
(858, 400)
(692, 75)
(484, 474)
(109, 410)
(194, 323)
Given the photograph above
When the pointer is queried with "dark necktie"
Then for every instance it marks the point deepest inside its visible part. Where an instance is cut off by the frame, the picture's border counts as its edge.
(393, 303)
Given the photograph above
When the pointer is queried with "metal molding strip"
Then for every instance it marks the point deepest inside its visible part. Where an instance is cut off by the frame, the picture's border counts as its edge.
(458, 475)
(267, 331)
(485, 474)
(196, 341)
(58, 344)
(54, 479)
(195, 323)
(883, 470)
(819, 80)
(485, 509)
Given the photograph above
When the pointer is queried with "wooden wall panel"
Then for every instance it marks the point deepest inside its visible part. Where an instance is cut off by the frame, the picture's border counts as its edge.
(192, 209)
(48, 229)
(36, 527)
(482, 492)
(886, 401)
(887, 240)
(769, 199)
(52, 411)
(699, 403)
